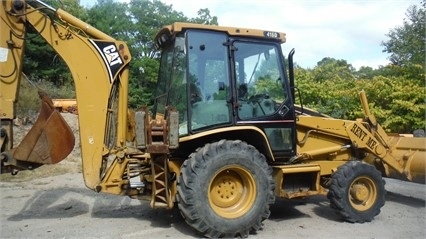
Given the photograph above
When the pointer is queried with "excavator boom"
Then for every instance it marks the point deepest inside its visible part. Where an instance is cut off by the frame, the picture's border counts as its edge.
(99, 67)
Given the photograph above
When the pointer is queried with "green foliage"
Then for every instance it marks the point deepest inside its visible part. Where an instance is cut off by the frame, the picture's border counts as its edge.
(112, 18)
(397, 102)
(410, 71)
(406, 105)
(366, 72)
(41, 63)
(142, 81)
(148, 17)
(406, 43)
(204, 17)
(29, 100)
(330, 68)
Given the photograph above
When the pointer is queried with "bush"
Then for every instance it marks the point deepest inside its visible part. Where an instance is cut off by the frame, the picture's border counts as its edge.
(29, 101)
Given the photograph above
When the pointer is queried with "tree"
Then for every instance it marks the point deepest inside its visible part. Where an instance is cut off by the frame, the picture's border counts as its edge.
(112, 18)
(204, 17)
(148, 17)
(366, 72)
(406, 43)
(144, 74)
(330, 68)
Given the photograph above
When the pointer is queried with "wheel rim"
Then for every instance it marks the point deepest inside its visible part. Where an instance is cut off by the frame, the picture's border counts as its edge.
(232, 192)
(362, 193)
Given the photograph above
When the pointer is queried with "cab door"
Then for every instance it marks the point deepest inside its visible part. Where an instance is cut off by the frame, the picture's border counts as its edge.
(262, 95)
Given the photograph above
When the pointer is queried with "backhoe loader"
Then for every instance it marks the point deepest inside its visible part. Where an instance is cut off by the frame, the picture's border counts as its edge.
(224, 137)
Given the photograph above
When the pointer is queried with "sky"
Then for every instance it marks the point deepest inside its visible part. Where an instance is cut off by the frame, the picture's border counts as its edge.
(350, 30)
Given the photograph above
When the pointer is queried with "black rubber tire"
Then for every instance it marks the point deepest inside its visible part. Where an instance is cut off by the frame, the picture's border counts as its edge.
(200, 176)
(357, 191)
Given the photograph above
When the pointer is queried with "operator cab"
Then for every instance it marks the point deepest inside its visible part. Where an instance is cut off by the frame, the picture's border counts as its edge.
(218, 77)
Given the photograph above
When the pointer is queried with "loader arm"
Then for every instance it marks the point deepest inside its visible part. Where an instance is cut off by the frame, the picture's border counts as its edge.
(99, 66)
(363, 138)
(397, 156)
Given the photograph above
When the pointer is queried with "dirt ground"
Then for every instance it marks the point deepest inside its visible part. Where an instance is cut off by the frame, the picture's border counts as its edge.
(52, 202)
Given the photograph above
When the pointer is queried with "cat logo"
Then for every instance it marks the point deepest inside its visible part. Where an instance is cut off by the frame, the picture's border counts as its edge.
(110, 56)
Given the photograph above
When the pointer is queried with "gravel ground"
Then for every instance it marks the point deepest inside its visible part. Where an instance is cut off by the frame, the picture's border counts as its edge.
(61, 207)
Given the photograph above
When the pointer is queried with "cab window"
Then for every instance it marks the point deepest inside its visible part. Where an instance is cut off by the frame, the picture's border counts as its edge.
(258, 79)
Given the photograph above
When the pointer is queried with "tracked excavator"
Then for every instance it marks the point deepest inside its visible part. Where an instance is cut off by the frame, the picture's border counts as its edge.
(224, 137)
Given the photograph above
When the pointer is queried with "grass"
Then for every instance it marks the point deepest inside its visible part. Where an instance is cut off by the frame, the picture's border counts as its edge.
(28, 102)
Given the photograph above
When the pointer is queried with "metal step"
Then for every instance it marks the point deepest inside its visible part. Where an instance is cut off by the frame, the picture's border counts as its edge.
(297, 180)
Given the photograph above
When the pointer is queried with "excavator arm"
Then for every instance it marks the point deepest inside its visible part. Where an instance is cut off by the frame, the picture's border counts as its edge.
(99, 66)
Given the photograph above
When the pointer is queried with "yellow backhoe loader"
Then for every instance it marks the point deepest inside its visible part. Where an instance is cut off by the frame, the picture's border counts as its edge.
(224, 137)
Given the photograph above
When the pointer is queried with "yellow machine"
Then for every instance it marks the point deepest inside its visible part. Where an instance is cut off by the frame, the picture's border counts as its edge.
(224, 138)
(66, 105)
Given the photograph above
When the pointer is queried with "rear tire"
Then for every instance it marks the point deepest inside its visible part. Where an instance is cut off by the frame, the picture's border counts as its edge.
(225, 189)
(357, 191)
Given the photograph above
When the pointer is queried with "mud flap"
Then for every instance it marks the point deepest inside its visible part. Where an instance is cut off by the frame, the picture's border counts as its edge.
(49, 141)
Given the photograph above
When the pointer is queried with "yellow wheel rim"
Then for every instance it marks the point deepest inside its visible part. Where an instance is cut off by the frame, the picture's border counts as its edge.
(362, 193)
(232, 192)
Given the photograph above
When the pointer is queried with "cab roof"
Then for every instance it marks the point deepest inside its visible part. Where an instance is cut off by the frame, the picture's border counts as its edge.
(170, 31)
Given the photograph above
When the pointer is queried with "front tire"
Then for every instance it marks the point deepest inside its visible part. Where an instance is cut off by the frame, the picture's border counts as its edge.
(225, 189)
(357, 191)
